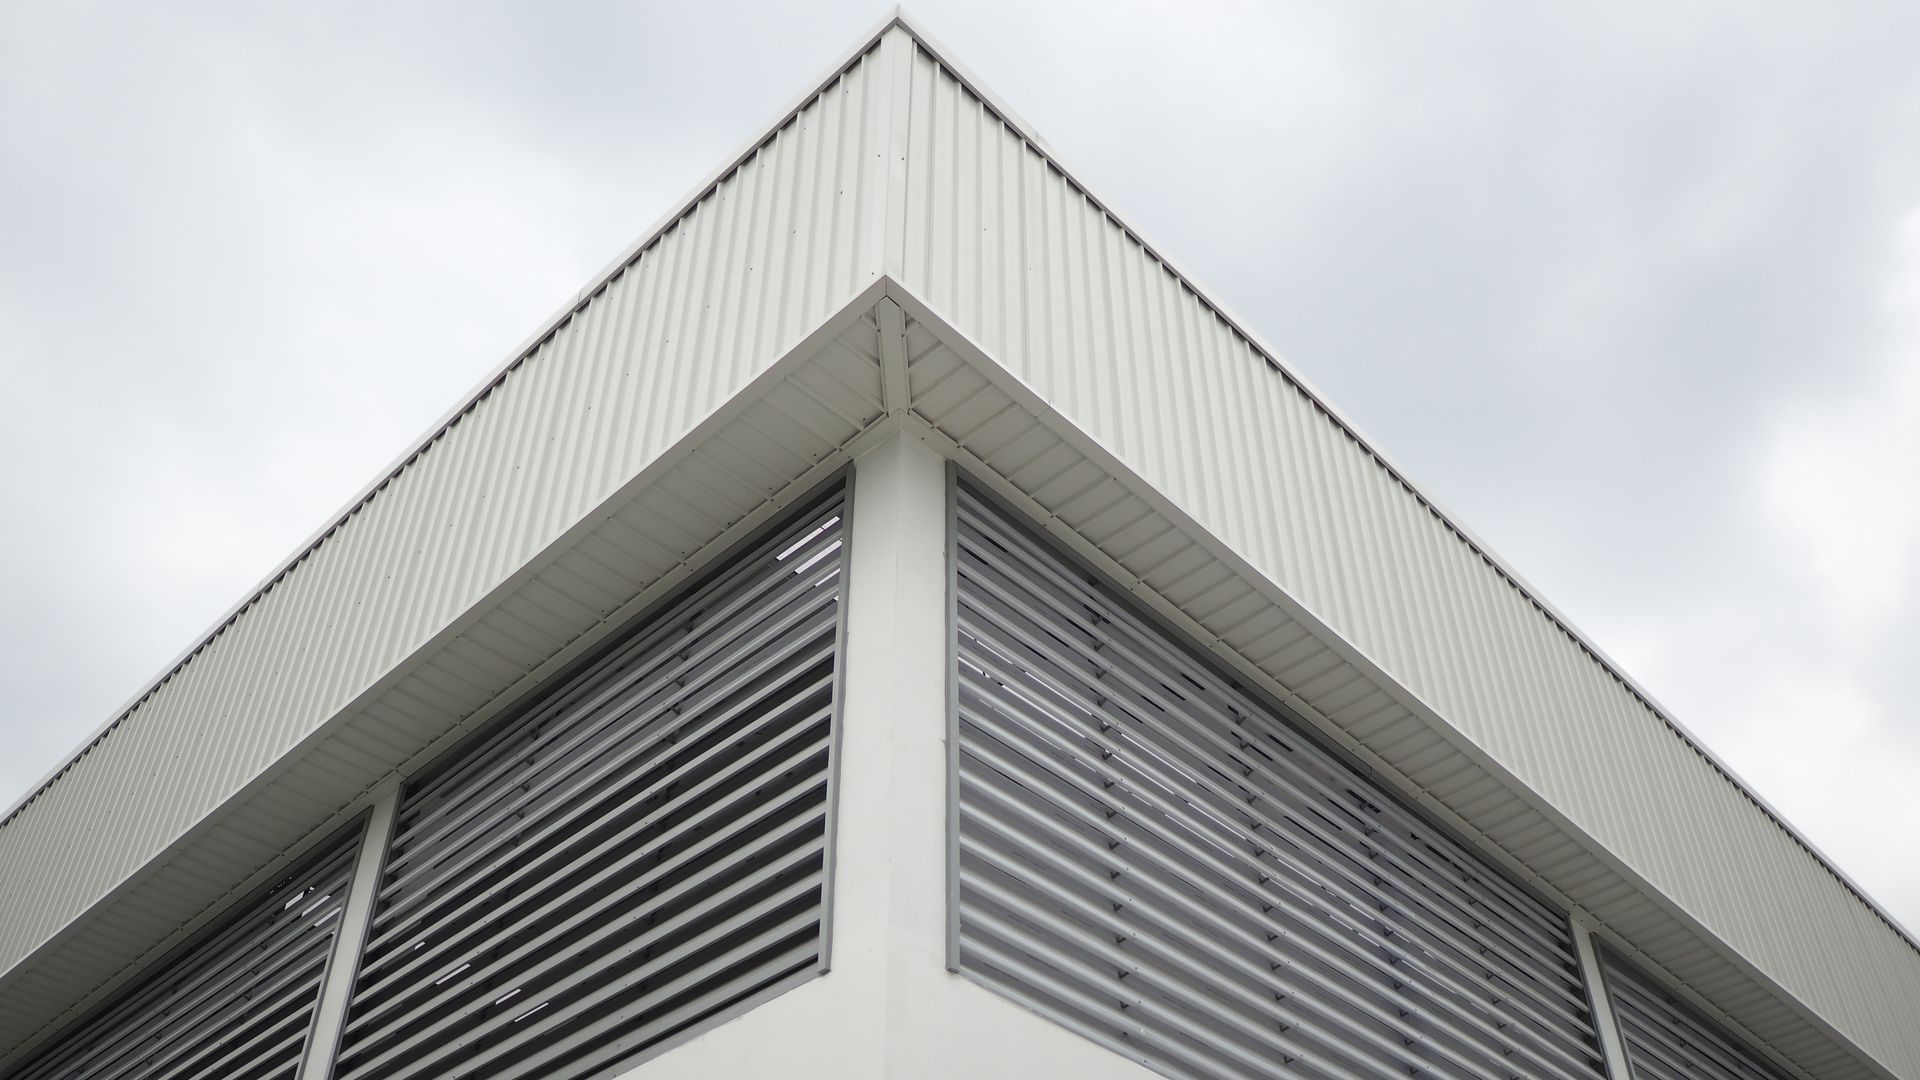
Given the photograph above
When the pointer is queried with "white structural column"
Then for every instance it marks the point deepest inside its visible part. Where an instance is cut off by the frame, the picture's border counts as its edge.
(1612, 1047)
(890, 900)
(888, 1007)
(888, 861)
(891, 913)
(336, 987)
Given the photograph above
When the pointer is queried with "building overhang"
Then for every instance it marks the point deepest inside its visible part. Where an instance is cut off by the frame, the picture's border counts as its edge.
(905, 347)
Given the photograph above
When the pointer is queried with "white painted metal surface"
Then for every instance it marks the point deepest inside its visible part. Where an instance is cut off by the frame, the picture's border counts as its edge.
(1154, 857)
(889, 1008)
(737, 469)
(1006, 246)
(640, 850)
(744, 275)
(1612, 1048)
(316, 1063)
(237, 1003)
(734, 357)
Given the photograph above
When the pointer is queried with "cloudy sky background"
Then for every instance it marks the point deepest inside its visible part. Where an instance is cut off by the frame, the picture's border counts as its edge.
(1634, 291)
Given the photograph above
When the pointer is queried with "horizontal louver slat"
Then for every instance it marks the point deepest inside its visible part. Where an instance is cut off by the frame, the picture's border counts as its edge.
(1161, 862)
(234, 1002)
(1668, 1040)
(641, 847)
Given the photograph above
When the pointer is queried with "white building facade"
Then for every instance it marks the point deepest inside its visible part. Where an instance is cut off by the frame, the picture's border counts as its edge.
(892, 623)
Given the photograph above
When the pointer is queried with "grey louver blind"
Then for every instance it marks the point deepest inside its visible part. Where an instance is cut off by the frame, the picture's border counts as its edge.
(1667, 1040)
(1153, 859)
(233, 1003)
(641, 849)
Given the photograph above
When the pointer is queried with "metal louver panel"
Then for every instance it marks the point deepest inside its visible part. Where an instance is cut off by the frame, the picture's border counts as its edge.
(1668, 1040)
(641, 849)
(234, 1003)
(1153, 858)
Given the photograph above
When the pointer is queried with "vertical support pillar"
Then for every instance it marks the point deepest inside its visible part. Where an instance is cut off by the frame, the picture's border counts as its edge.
(890, 862)
(1613, 1047)
(336, 986)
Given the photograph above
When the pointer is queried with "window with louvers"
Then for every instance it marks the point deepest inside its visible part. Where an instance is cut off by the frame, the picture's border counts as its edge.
(1668, 1040)
(234, 1003)
(1153, 858)
(640, 851)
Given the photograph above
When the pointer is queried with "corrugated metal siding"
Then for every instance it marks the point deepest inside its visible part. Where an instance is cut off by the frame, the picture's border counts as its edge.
(1144, 544)
(1002, 243)
(763, 257)
(991, 233)
(236, 1004)
(739, 471)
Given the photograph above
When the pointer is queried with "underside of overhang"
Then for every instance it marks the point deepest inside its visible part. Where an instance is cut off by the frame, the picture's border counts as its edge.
(886, 362)
(788, 431)
(977, 412)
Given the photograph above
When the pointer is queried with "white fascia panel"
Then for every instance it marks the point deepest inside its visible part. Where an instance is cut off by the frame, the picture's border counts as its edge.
(1075, 369)
(370, 638)
(1018, 257)
(786, 432)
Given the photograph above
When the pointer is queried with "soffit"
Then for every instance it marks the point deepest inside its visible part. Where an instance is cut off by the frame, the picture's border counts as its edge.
(806, 416)
(981, 414)
(772, 443)
(1055, 456)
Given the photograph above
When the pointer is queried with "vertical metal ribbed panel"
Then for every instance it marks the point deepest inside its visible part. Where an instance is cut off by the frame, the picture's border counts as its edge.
(1156, 859)
(735, 474)
(643, 848)
(1003, 244)
(1122, 530)
(1667, 1040)
(235, 1003)
(750, 266)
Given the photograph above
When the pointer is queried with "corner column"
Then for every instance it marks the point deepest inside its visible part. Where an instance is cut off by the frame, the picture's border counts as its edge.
(890, 866)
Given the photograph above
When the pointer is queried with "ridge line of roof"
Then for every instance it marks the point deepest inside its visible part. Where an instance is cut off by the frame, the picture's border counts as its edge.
(1028, 133)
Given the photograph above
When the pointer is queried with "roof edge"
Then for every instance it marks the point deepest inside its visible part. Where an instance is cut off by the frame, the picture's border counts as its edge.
(799, 485)
(1401, 475)
(1066, 428)
(898, 18)
(548, 327)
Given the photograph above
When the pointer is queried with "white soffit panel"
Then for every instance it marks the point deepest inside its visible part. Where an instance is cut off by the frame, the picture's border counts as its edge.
(759, 259)
(1061, 356)
(771, 444)
(193, 786)
(1082, 313)
(982, 416)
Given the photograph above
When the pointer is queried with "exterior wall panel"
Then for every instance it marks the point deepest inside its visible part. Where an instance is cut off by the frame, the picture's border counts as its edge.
(637, 853)
(742, 467)
(238, 1002)
(1153, 858)
(1003, 244)
(673, 333)
(497, 544)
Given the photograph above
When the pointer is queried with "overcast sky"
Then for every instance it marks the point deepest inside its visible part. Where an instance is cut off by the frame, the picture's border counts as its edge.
(1633, 291)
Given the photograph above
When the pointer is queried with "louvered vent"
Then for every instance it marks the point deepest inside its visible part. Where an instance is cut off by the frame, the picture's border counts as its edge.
(640, 850)
(1668, 1040)
(1157, 861)
(234, 1003)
